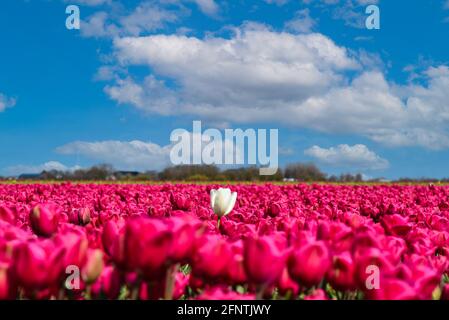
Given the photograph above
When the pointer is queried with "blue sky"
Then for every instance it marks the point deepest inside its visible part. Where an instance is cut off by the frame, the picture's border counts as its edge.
(348, 98)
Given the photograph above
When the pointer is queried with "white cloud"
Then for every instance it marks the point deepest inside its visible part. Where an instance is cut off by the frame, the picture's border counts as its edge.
(256, 68)
(97, 25)
(132, 155)
(33, 169)
(302, 22)
(106, 73)
(299, 80)
(147, 17)
(208, 7)
(352, 12)
(138, 155)
(6, 102)
(354, 157)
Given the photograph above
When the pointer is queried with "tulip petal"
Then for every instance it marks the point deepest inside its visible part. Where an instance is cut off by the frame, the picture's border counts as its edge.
(213, 195)
(231, 203)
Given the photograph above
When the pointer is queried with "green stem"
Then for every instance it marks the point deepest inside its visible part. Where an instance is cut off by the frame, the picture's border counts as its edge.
(88, 294)
(218, 223)
(260, 291)
(170, 281)
(136, 290)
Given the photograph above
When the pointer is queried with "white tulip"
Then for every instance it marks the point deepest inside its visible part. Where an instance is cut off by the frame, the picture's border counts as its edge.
(222, 201)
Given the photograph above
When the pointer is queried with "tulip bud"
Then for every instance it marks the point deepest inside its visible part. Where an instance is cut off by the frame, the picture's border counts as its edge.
(395, 225)
(108, 284)
(181, 283)
(222, 201)
(37, 265)
(75, 245)
(211, 258)
(113, 238)
(236, 269)
(147, 245)
(80, 217)
(183, 234)
(44, 221)
(308, 264)
(84, 216)
(341, 275)
(180, 202)
(93, 266)
(263, 259)
(286, 285)
(8, 289)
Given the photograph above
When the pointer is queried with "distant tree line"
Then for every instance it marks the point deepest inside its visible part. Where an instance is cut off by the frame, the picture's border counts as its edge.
(306, 172)
(302, 172)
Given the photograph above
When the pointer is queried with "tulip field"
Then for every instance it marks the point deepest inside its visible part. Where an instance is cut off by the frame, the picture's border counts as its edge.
(185, 241)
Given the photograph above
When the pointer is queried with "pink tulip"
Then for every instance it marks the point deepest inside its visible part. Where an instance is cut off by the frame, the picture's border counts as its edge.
(75, 245)
(211, 258)
(8, 288)
(113, 240)
(392, 289)
(37, 265)
(396, 225)
(341, 274)
(236, 270)
(147, 245)
(80, 216)
(108, 284)
(183, 233)
(43, 220)
(264, 259)
(286, 285)
(309, 263)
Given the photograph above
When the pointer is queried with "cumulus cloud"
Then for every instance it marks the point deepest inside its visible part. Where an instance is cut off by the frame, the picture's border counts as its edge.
(147, 17)
(257, 68)
(132, 155)
(34, 169)
(6, 102)
(302, 22)
(299, 80)
(352, 12)
(141, 155)
(209, 7)
(354, 157)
